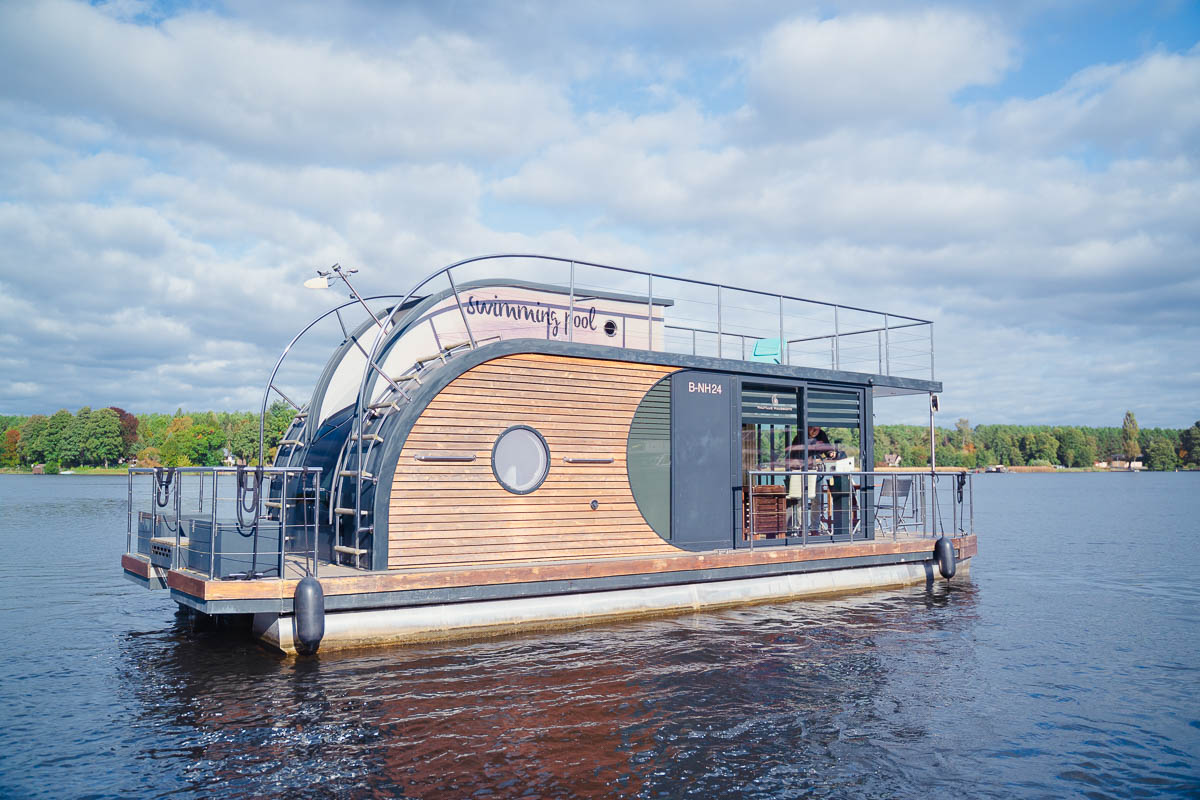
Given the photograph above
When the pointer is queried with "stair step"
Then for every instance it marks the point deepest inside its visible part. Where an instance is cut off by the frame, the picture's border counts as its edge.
(423, 360)
(272, 504)
(390, 404)
(349, 473)
(350, 551)
(349, 511)
(367, 437)
(291, 442)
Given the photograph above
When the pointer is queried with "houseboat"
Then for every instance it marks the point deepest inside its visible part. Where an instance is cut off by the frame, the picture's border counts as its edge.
(578, 442)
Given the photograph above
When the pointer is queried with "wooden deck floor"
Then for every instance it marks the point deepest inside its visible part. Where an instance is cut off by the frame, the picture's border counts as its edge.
(340, 580)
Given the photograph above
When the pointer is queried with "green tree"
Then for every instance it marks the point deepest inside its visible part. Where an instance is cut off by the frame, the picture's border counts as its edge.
(1006, 449)
(244, 440)
(1129, 437)
(1189, 443)
(104, 441)
(1045, 447)
(204, 445)
(963, 427)
(172, 452)
(1073, 449)
(1088, 455)
(279, 417)
(57, 444)
(33, 439)
(1161, 455)
(74, 441)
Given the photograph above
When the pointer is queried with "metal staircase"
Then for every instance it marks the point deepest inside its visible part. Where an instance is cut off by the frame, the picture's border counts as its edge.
(356, 475)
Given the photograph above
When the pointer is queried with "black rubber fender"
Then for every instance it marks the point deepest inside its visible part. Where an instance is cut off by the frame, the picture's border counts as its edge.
(943, 554)
(309, 606)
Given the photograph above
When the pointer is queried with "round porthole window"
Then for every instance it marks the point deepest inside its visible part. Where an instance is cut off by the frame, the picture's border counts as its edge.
(610, 328)
(520, 459)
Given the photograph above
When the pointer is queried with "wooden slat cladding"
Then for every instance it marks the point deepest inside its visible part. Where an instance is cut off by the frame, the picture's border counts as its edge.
(443, 515)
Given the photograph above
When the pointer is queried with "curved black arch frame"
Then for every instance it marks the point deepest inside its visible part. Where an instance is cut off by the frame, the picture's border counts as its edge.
(545, 446)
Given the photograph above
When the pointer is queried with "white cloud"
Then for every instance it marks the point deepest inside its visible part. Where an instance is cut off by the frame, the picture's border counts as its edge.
(165, 187)
(206, 78)
(813, 73)
(1148, 105)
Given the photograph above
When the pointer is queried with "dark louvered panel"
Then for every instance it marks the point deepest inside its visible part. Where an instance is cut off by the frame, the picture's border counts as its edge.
(833, 409)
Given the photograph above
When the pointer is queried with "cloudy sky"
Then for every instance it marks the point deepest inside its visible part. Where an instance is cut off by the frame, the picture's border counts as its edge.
(1026, 174)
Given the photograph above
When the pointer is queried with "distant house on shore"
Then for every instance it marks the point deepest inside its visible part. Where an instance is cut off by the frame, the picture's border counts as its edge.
(1118, 464)
(39, 469)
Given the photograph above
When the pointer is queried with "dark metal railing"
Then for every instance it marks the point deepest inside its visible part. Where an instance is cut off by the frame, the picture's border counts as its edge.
(226, 522)
(803, 506)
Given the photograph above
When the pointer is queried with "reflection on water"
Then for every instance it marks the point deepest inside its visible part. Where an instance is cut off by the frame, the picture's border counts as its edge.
(1036, 677)
(744, 701)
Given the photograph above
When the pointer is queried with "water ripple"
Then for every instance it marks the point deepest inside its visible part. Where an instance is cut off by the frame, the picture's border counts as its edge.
(1065, 666)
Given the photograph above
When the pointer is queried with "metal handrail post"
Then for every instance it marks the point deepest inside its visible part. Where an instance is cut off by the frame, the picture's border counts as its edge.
(316, 530)
(931, 351)
(750, 533)
(212, 543)
(283, 521)
(895, 526)
(153, 510)
(971, 499)
(887, 346)
(925, 501)
(129, 517)
(461, 310)
(178, 513)
(837, 342)
(782, 360)
(650, 313)
(720, 334)
(805, 501)
(571, 307)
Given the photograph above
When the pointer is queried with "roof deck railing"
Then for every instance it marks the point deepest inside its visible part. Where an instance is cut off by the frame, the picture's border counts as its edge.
(709, 318)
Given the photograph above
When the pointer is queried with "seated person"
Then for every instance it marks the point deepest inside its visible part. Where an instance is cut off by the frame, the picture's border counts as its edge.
(818, 447)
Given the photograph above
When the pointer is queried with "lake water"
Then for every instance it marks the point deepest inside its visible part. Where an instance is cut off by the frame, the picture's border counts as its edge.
(1066, 665)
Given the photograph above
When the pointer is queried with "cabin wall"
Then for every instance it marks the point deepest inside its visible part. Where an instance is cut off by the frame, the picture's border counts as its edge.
(453, 514)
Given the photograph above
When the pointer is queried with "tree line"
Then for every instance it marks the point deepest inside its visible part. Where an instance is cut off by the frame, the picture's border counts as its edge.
(110, 436)
(1042, 445)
